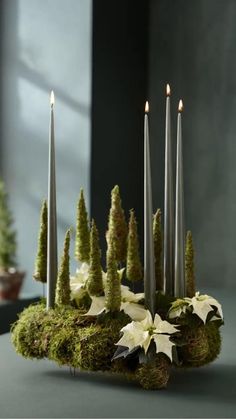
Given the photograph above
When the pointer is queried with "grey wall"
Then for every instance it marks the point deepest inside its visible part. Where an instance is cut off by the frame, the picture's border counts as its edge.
(45, 45)
(193, 47)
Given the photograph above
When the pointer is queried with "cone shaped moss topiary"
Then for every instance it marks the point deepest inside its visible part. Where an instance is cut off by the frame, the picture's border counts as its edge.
(7, 234)
(63, 280)
(157, 235)
(113, 285)
(117, 227)
(94, 282)
(82, 237)
(189, 266)
(40, 273)
(134, 271)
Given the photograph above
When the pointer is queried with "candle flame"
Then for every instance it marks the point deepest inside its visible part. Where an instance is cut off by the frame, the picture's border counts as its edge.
(181, 106)
(167, 90)
(52, 98)
(146, 107)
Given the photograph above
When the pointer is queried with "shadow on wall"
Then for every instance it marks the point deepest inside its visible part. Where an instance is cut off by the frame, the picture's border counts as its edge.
(38, 56)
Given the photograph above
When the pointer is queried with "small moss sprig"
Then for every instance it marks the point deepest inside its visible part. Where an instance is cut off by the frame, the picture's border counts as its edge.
(157, 236)
(94, 282)
(40, 273)
(117, 227)
(82, 237)
(134, 270)
(63, 280)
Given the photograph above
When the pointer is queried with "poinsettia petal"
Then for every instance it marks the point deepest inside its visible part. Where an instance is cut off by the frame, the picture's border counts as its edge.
(97, 306)
(147, 323)
(146, 341)
(201, 308)
(163, 345)
(165, 327)
(126, 340)
(215, 303)
(135, 311)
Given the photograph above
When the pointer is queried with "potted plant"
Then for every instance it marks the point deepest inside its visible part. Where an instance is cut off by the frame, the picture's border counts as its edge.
(10, 278)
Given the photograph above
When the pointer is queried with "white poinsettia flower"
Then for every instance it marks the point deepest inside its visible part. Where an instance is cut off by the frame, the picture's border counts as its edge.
(203, 305)
(178, 307)
(128, 304)
(140, 334)
(79, 279)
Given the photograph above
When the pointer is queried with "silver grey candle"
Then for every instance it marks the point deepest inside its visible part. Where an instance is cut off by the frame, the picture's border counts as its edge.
(168, 268)
(52, 215)
(149, 264)
(179, 287)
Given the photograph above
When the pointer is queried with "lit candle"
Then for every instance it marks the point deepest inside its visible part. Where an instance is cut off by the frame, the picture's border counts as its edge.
(179, 216)
(168, 206)
(149, 266)
(52, 215)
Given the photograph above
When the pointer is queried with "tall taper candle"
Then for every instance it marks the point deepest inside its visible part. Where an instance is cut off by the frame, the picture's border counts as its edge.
(52, 215)
(149, 265)
(179, 216)
(168, 270)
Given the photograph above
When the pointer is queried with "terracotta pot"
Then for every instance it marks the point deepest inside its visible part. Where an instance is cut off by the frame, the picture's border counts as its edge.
(10, 284)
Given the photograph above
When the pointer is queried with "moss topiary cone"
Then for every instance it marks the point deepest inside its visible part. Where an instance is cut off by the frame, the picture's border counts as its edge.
(134, 270)
(117, 227)
(113, 286)
(94, 283)
(82, 237)
(40, 273)
(157, 236)
(63, 280)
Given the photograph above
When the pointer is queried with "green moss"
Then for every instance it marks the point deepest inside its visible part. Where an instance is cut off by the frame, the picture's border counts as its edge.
(157, 237)
(189, 266)
(154, 374)
(63, 280)
(196, 349)
(82, 237)
(67, 337)
(134, 270)
(113, 286)
(117, 227)
(214, 341)
(40, 273)
(94, 282)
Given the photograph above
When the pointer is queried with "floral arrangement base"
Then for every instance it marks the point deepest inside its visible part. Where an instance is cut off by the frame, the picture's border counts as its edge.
(68, 337)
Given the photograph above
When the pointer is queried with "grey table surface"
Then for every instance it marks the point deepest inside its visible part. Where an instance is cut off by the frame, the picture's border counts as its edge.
(41, 389)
